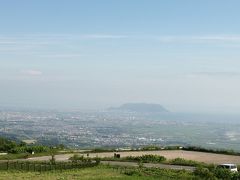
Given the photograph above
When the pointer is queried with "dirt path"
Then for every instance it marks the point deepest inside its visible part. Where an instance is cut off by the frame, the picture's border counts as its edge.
(169, 154)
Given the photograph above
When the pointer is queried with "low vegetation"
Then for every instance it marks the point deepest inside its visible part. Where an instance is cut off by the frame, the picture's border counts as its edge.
(98, 172)
(40, 166)
(77, 158)
(216, 173)
(21, 150)
(85, 168)
(157, 159)
(184, 162)
(122, 173)
(216, 151)
(81, 167)
(146, 158)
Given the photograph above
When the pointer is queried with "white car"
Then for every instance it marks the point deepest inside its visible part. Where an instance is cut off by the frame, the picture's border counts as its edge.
(231, 167)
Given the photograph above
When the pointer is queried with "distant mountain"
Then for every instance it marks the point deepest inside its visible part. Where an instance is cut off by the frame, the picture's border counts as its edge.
(141, 108)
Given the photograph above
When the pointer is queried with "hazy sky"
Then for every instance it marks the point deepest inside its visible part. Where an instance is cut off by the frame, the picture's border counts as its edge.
(88, 54)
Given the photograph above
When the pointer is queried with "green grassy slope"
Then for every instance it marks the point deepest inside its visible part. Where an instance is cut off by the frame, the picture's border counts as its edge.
(88, 173)
(99, 173)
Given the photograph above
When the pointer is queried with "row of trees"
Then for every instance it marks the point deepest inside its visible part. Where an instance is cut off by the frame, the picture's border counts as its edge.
(9, 146)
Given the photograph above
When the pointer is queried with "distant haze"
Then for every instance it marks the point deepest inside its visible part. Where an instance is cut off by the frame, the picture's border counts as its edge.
(184, 55)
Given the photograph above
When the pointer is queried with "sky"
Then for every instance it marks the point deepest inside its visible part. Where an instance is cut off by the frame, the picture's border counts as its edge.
(91, 54)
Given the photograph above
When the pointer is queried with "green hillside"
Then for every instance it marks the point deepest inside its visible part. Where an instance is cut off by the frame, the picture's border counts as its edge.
(99, 172)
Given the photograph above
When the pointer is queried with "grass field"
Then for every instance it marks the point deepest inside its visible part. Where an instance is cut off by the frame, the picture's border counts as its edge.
(106, 172)
(100, 172)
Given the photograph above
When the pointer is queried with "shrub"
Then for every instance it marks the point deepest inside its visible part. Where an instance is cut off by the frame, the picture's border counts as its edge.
(6, 145)
(30, 149)
(204, 173)
(217, 151)
(77, 158)
(147, 158)
(222, 173)
(98, 160)
(184, 162)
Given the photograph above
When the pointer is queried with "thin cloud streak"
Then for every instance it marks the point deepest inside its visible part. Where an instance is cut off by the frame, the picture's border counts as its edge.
(32, 72)
(199, 39)
(41, 39)
(33, 42)
(28, 42)
(213, 74)
(62, 55)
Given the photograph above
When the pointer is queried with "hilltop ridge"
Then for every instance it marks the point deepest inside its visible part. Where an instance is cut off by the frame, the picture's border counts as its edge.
(140, 108)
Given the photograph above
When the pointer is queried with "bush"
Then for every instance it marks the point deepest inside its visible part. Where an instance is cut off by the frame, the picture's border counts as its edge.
(30, 149)
(216, 173)
(159, 173)
(147, 158)
(76, 158)
(217, 151)
(184, 162)
(98, 160)
(14, 156)
(6, 145)
(204, 173)
(222, 173)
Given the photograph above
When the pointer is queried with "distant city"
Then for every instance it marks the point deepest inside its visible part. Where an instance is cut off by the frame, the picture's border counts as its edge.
(121, 128)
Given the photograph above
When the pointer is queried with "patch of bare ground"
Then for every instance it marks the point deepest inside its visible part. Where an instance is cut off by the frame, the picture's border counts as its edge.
(169, 154)
(172, 154)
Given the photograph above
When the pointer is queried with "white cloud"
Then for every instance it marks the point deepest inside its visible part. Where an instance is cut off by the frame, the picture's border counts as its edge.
(200, 39)
(30, 42)
(32, 72)
(103, 36)
(51, 38)
(48, 39)
(62, 55)
(213, 74)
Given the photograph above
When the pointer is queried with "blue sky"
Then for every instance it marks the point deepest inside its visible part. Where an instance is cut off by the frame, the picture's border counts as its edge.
(94, 54)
